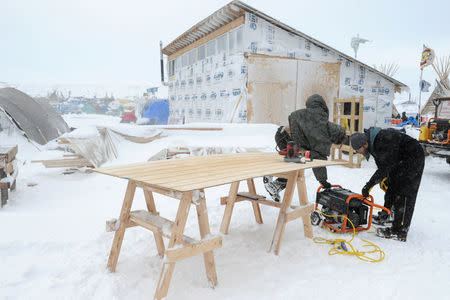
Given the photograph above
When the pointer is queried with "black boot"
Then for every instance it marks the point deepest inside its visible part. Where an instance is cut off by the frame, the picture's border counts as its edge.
(390, 233)
(383, 218)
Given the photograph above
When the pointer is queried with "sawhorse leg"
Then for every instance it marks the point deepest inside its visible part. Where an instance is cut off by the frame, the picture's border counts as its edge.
(256, 209)
(282, 220)
(175, 238)
(303, 198)
(151, 207)
(229, 207)
(120, 232)
(203, 223)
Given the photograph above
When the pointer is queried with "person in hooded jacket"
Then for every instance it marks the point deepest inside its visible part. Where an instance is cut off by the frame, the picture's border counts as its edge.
(401, 159)
(310, 129)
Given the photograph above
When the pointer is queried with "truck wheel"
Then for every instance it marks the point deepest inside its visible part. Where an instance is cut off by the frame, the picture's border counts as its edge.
(448, 160)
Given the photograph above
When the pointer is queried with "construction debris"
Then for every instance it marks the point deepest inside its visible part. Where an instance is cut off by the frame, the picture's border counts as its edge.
(8, 171)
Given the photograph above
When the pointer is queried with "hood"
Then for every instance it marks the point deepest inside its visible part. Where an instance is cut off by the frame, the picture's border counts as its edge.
(316, 102)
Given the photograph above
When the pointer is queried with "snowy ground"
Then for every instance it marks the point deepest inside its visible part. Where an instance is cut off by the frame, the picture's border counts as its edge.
(53, 243)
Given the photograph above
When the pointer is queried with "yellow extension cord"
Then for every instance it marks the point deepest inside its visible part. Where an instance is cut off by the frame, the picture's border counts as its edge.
(339, 244)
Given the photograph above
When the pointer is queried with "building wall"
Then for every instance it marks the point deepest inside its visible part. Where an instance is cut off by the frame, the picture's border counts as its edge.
(262, 37)
(213, 88)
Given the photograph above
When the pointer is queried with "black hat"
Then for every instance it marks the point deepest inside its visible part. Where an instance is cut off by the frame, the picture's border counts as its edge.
(358, 139)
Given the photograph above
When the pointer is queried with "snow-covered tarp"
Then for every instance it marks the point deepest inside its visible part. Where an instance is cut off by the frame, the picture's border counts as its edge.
(53, 242)
(38, 120)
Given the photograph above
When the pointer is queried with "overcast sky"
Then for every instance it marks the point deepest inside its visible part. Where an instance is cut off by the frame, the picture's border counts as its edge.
(116, 43)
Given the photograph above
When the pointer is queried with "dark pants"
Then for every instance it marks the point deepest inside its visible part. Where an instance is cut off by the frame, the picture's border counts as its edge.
(405, 186)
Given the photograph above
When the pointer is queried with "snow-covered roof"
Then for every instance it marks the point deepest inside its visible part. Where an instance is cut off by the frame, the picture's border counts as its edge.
(236, 9)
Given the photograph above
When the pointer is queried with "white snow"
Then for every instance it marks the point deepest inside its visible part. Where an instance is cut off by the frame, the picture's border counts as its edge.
(53, 243)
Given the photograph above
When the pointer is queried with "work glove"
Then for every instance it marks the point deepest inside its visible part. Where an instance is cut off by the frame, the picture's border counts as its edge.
(325, 184)
(282, 138)
(366, 189)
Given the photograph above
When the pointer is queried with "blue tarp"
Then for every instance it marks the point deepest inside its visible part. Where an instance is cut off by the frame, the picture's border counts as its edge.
(158, 110)
(411, 120)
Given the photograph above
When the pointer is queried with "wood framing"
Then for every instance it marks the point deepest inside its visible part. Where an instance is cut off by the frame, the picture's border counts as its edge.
(224, 29)
(340, 118)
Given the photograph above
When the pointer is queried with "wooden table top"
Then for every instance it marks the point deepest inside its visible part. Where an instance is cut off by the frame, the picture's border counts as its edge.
(199, 172)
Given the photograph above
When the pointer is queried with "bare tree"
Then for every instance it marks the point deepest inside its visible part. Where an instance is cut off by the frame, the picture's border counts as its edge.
(442, 67)
(390, 69)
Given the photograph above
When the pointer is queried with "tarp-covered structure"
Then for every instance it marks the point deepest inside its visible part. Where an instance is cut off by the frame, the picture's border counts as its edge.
(37, 119)
(158, 110)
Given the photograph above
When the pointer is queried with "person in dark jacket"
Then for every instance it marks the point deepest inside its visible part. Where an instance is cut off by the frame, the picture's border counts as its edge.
(404, 117)
(401, 159)
(310, 129)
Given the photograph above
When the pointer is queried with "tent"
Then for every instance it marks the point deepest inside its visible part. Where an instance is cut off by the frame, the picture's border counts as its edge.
(128, 117)
(37, 119)
(89, 109)
(158, 110)
(411, 120)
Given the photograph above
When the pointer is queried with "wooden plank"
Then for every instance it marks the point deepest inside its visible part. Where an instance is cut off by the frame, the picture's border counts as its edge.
(157, 224)
(194, 128)
(233, 24)
(187, 174)
(174, 255)
(118, 236)
(357, 100)
(73, 155)
(9, 168)
(165, 192)
(261, 200)
(348, 117)
(303, 212)
(7, 154)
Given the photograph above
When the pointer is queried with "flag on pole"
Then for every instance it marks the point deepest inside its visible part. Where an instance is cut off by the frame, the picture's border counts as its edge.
(424, 86)
(427, 57)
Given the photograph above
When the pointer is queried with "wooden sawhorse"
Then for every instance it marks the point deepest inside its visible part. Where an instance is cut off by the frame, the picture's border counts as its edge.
(287, 211)
(162, 227)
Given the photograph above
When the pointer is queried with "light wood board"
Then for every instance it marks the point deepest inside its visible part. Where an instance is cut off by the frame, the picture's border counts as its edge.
(192, 173)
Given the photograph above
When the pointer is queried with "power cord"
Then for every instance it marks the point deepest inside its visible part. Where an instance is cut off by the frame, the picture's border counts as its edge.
(344, 247)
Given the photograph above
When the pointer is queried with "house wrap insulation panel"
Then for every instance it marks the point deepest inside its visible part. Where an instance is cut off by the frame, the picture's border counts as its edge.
(215, 88)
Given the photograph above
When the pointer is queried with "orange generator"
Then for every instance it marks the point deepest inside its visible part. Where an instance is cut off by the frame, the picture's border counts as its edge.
(341, 210)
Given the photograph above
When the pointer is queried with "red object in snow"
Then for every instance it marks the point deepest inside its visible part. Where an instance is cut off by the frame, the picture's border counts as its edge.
(128, 117)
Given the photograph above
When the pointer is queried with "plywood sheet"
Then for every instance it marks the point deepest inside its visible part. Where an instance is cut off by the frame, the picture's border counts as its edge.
(271, 89)
(317, 78)
(192, 173)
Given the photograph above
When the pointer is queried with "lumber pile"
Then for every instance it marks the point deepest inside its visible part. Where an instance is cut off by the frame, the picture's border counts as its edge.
(68, 161)
(8, 171)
